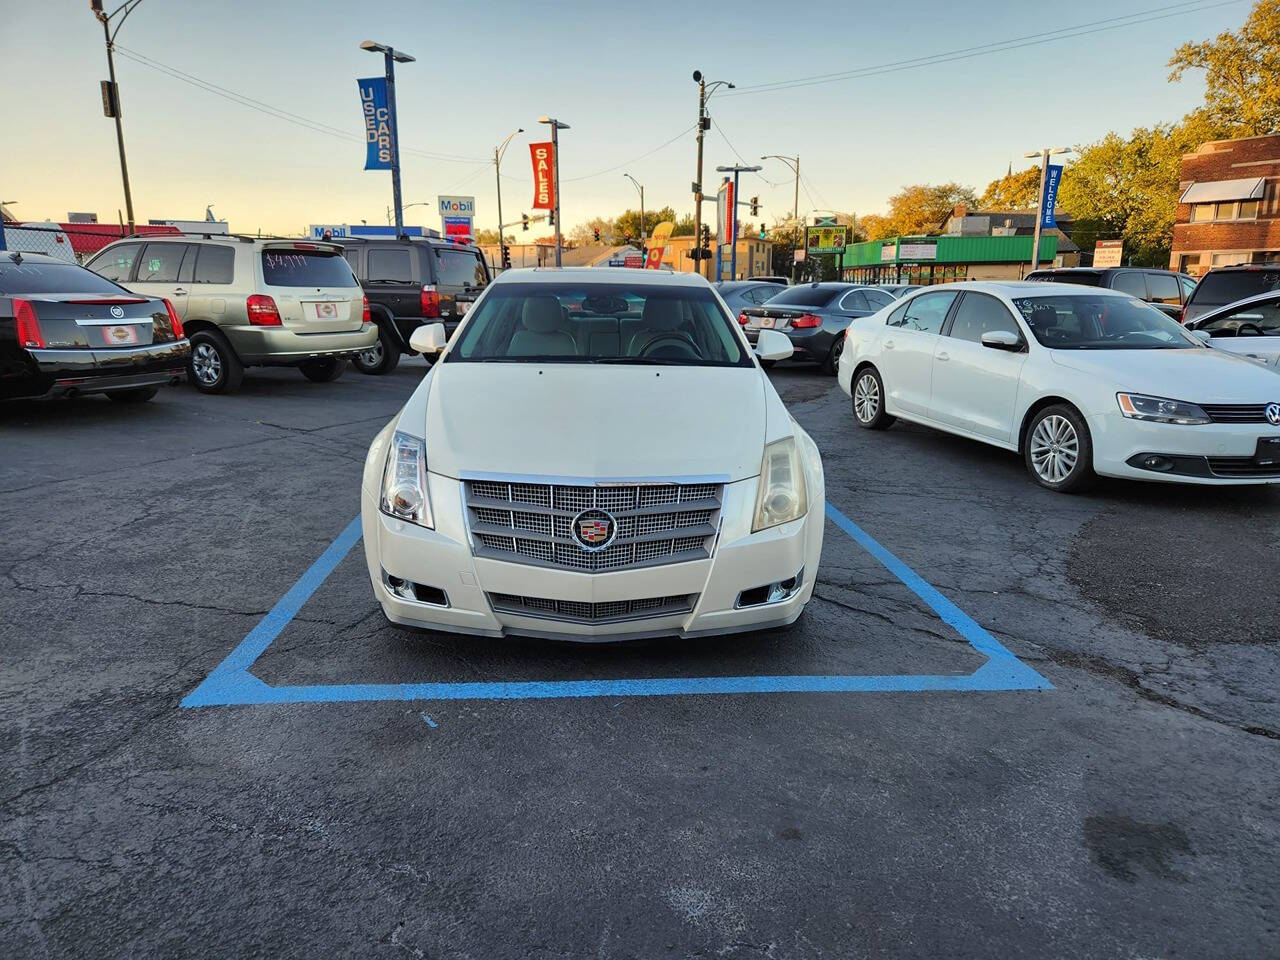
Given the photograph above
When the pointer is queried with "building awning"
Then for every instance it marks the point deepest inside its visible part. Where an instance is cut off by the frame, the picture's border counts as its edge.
(1216, 191)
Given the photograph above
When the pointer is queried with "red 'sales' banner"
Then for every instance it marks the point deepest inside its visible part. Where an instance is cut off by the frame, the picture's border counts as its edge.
(544, 185)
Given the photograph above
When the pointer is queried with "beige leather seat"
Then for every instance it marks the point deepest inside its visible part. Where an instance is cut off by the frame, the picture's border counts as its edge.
(541, 332)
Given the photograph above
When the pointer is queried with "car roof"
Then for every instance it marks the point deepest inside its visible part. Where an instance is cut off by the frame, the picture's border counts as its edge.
(1021, 288)
(629, 275)
(1213, 313)
(1237, 267)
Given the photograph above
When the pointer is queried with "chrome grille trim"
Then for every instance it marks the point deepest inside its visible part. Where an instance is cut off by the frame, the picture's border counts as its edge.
(1236, 412)
(576, 611)
(658, 521)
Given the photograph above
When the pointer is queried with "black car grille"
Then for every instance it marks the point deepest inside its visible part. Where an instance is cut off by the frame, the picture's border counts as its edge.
(580, 612)
(1242, 467)
(1236, 412)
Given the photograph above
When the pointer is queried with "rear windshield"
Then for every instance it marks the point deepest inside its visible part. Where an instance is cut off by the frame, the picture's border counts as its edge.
(1099, 322)
(31, 277)
(1216, 289)
(810, 296)
(1080, 279)
(600, 323)
(306, 268)
(455, 268)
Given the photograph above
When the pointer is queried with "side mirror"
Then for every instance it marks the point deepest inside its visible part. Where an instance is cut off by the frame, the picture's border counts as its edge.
(1204, 336)
(772, 345)
(1002, 340)
(428, 339)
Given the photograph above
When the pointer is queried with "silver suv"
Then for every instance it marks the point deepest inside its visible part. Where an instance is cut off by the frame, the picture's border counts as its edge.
(249, 301)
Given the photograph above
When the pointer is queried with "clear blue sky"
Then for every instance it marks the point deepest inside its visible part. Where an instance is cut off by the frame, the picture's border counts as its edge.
(621, 79)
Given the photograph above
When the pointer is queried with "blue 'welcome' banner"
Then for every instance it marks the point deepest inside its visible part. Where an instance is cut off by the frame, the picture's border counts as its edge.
(377, 123)
(1052, 177)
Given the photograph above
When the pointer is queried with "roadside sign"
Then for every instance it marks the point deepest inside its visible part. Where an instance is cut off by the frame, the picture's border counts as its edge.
(544, 188)
(457, 206)
(825, 222)
(377, 123)
(458, 228)
(635, 261)
(1108, 253)
(826, 239)
(658, 243)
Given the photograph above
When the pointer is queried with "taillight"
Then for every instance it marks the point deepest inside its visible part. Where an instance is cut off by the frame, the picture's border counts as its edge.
(364, 316)
(806, 320)
(430, 301)
(262, 311)
(175, 325)
(29, 333)
(743, 319)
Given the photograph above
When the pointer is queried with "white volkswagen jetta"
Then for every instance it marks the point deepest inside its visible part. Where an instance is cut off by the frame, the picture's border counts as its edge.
(1077, 379)
(596, 455)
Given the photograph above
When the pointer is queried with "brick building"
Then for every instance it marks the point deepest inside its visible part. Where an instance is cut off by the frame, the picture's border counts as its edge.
(1229, 207)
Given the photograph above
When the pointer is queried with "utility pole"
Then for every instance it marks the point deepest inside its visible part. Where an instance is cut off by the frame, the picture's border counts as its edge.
(556, 127)
(794, 164)
(1043, 155)
(391, 57)
(640, 187)
(498, 151)
(705, 91)
(111, 95)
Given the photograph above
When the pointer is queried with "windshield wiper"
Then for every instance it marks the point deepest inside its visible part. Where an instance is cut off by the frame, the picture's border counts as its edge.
(650, 361)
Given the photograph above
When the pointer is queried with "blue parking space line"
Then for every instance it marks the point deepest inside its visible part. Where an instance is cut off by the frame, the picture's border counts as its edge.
(233, 683)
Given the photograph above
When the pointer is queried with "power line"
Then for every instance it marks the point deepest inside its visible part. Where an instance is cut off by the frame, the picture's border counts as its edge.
(627, 163)
(998, 46)
(738, 154)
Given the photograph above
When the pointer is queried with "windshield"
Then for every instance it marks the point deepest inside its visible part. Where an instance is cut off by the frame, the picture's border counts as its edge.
(1257, 319)
(600, 323)
(33, 276)
(306, 268)
(1100, 323)
(810, 296)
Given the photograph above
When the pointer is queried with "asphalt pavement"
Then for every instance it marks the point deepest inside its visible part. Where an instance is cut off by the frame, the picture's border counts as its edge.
(1125, 807)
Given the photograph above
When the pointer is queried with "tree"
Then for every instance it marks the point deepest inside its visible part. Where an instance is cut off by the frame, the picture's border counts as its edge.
(1242, 74)
(921, 208)
(876, 226)
(628, 224)
(1014, 191)
(584, 234)
(491, 237)
(683, 226)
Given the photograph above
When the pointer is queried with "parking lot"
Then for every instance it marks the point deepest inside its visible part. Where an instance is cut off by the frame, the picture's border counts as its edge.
(1012, 723)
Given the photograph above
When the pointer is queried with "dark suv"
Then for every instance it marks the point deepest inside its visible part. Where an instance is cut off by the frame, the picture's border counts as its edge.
(409, 282)
(1164, 289)
(1224, 285)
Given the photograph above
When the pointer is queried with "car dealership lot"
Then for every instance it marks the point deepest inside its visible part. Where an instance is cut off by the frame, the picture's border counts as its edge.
(1129, 810)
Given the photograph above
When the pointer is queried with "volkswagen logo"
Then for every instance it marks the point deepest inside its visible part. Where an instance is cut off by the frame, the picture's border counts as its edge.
(117, 312)
(594, 529)
(1273, 413)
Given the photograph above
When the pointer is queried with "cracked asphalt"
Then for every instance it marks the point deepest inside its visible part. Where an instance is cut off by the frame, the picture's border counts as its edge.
(1131, 811)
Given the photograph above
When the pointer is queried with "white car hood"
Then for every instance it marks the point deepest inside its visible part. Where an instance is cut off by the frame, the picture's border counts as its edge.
(1195, 375)
(606, 421)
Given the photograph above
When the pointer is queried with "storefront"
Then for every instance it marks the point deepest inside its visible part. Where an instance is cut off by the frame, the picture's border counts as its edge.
(944, 259)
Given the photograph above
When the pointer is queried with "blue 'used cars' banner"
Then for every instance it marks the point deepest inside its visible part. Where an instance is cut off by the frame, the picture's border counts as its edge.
(377, 123)
(1052, 177)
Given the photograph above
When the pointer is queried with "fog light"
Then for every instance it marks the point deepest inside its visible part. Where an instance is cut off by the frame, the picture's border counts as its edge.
(1157, 463)
(770, 592)
(401, 588)
(416, 592)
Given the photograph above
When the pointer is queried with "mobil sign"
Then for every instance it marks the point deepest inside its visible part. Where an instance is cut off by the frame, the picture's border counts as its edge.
(457, 206)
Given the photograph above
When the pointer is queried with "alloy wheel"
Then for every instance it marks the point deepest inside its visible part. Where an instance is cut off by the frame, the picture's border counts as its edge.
(373, 356)
(1055, 448)
(206, 363)
(866, 398)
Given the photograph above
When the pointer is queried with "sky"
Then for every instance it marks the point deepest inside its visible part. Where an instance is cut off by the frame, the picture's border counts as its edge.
(620, 75)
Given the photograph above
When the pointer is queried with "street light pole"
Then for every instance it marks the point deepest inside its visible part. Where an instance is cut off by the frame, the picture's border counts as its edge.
(498, 151)
(1043, 155)
(794, 164)
(113, 95)
(391, 57)
(640, 187)
(705, 91)
(556, 127)
(733, 240)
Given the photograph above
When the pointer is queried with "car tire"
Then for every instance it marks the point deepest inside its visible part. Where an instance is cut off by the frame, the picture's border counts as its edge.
(831, 366)
(1058, 450)
(136, 395)
(381, 358)
(213, 366)
(867, 400)
(324, 370)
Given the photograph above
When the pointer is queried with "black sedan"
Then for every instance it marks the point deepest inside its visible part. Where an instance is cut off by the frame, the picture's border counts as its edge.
(66, 331)
(814, 317)
(740, 294)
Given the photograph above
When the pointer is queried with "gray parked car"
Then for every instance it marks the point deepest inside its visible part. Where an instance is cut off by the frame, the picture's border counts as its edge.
(814, 317)
(740, 294)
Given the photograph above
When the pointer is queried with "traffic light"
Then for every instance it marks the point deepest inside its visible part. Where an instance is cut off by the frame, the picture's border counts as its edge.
(755, 206)
(551, 218)
(506, 257)
(762, 231)
(595, 233)
(524, 221)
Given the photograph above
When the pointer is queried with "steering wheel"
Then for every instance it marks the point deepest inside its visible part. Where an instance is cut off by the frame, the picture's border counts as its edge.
(1253, 330)
(682, 341)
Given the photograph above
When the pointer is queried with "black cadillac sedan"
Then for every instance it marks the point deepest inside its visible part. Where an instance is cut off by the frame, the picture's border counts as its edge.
(814, 317)
(66, 331)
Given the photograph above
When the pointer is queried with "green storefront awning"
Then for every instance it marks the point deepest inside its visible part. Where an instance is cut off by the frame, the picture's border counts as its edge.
(948, 250)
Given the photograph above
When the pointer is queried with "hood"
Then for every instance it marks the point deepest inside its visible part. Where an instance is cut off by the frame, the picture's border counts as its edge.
(1196, 375)
(608, 421)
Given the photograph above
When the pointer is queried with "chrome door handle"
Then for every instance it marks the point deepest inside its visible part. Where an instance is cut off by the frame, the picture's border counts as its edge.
(888, 344)
(179, 292)
(944, 356)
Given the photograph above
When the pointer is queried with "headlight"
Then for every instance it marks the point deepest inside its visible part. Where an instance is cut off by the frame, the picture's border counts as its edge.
(1136, 406)
(782, 495)
(404, 481)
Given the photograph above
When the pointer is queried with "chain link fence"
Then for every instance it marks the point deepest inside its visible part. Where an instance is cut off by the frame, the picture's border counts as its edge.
(73, 243)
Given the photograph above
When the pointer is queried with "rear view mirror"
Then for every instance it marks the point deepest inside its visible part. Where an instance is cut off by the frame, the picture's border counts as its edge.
(772, 345)
(428, 339)
(1002, 340)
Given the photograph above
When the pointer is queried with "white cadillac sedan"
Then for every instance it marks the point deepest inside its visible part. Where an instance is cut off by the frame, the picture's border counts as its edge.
(1079, 380)
(1250, 328)
(597, 455)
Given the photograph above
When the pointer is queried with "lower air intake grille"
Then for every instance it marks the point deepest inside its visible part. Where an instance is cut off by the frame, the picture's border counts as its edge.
(580, 612)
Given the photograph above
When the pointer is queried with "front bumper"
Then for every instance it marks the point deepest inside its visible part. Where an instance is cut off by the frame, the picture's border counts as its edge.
(1215, 454)
(280, 346)
(442, 559)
